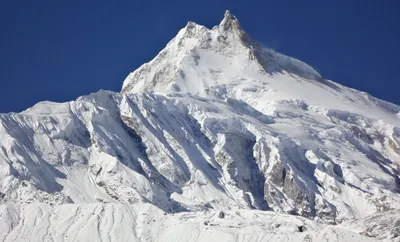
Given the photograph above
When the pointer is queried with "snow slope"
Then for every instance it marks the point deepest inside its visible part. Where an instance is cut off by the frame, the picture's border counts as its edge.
(119, 222)
(215, 122)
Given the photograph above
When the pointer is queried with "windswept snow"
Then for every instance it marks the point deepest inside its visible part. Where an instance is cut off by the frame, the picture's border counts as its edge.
(119, 222)
(215, 122)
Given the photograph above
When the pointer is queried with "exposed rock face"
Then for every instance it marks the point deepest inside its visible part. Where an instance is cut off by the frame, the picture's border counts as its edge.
(215, 121)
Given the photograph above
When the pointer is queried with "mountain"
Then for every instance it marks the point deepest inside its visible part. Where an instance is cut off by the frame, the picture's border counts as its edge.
(218, 137)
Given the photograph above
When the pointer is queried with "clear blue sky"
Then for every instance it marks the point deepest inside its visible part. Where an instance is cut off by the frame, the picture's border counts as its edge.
(59, 50)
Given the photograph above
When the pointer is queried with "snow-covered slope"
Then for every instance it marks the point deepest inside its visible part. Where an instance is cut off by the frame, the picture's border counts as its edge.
(118, 222)
(224, 62)
(215, 122)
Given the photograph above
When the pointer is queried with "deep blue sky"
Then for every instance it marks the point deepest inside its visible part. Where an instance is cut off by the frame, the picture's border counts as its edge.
(59, 50)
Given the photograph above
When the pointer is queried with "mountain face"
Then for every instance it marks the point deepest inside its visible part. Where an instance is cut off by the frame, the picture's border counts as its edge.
(215, 122)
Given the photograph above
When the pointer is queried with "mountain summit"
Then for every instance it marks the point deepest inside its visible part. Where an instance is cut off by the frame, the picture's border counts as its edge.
(206, 62)
(215, 122)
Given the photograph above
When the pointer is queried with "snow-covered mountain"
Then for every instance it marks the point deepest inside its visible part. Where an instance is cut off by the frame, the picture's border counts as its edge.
(215, 122)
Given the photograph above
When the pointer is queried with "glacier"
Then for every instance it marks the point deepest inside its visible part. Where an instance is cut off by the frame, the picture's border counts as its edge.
(216, 122)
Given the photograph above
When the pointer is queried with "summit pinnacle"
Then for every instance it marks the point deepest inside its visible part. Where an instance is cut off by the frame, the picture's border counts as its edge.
(229, 21)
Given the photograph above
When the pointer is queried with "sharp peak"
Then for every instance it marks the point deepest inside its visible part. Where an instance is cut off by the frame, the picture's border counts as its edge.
(192, 24)
(228, 16)
(229, 21)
